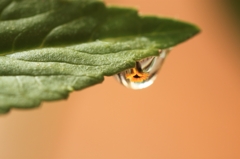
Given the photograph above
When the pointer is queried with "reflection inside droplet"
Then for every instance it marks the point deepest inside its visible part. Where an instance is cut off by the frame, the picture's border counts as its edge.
(144, 73)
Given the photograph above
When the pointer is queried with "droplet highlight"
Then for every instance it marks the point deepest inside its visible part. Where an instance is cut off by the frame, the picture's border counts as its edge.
(144, 73)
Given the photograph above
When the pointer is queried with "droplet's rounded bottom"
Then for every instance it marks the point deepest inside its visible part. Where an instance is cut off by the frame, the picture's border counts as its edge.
(144, 73)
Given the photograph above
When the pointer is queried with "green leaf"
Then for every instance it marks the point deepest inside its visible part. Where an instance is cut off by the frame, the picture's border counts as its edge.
(51, 48)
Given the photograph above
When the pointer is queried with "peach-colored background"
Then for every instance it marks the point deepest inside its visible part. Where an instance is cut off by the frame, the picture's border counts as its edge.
(191, 112)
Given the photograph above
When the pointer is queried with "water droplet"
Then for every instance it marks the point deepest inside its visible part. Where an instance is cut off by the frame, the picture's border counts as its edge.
(144, 73)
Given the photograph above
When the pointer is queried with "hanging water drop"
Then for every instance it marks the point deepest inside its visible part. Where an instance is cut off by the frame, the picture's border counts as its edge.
(144, 73)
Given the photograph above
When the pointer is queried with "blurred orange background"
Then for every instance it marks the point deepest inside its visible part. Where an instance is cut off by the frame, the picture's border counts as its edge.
(192, 111)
